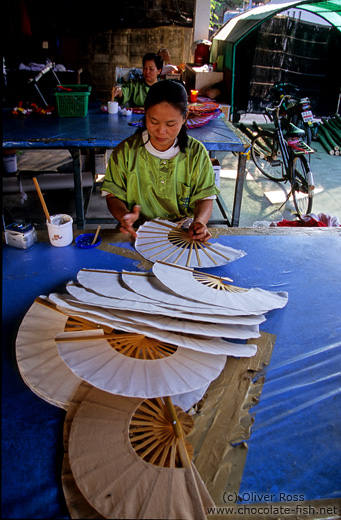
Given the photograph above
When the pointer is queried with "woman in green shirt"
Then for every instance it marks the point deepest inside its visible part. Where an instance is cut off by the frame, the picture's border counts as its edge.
(160, 171)
(134, 93)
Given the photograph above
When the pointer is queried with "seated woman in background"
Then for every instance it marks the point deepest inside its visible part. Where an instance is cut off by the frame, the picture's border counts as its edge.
(160, 171)
(134, 93)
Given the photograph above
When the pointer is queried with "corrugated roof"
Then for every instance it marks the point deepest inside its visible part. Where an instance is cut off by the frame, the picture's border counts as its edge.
(242, 24)
(330, 11)
(237, 28)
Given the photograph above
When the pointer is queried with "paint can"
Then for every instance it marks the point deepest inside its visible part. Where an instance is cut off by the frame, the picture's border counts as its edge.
(60, 230)
(9, 159)
(112, 107)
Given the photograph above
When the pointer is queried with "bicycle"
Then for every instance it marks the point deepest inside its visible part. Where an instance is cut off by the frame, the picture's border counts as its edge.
(296, 110)
(283, 158)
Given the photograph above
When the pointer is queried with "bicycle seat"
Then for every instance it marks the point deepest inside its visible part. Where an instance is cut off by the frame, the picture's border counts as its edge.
(294, 131)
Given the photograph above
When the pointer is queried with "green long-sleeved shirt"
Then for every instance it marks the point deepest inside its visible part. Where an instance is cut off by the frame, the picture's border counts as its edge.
(134, 93)
(165, 188)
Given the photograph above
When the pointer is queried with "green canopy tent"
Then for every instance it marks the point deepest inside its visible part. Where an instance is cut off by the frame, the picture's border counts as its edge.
(257, 50)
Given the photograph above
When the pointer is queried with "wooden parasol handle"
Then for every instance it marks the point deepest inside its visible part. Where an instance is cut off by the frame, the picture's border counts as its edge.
(177, 428)
(96, 235)
(47, 214)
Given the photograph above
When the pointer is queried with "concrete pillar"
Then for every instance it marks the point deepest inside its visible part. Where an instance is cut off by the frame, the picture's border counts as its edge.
(201, 19)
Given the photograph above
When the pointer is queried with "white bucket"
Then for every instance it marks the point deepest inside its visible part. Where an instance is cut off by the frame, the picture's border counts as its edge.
(112, 107)
(10, 163)
(60, 230)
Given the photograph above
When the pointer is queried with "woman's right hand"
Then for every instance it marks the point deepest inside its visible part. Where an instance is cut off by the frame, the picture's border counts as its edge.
(127, 221)
(118, 92)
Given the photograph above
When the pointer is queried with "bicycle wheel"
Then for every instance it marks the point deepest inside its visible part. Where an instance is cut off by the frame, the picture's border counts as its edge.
(267, 156)
(302, 185)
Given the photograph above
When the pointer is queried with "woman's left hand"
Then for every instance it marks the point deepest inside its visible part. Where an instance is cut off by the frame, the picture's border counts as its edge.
(198, 231)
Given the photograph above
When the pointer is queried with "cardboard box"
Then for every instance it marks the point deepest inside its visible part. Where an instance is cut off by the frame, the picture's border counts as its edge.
(226, 109)
(198, 80)
(216, 169)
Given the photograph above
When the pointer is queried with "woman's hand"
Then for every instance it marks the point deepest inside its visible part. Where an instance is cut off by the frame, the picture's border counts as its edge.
(120, 212)
(127, 221)
(202, 213)
(117, 92)
(198, 231)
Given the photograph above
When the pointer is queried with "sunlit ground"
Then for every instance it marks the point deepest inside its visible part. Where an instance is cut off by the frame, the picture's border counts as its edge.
(279, 196)
(232, 174)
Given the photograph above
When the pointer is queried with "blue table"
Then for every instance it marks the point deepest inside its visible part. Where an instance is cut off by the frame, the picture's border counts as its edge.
(294, 448)
(99, 130)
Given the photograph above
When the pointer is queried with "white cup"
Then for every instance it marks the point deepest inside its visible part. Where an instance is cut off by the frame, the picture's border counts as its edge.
(60, 230)
(112, 107)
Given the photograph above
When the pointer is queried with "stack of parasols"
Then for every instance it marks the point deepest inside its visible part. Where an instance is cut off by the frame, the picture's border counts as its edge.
(199, 114)
(127, 354)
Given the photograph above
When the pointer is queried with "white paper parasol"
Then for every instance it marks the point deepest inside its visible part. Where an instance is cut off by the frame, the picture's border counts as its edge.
(90, 297)
(137, 316)
(168, 371)
(144, 323)
(38, 360)
(111, 475)
(111, 285)
(149, 285)
(78, 506)
(163, 240)
(208, 289)
(40, 364)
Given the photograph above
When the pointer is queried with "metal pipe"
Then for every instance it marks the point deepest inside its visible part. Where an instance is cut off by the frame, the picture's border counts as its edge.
(47, 181)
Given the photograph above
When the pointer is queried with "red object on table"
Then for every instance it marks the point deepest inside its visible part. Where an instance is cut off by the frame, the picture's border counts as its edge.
(194, 96)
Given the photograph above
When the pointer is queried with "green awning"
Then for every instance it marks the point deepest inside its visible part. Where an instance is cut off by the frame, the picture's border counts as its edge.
(329, 11)
(235, 30)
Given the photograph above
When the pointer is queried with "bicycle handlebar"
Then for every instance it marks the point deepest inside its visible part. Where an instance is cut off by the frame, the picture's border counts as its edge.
(277, 107)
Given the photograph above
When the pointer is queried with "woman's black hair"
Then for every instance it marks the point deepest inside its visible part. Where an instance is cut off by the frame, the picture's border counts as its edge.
(150, 56)
(174, 93)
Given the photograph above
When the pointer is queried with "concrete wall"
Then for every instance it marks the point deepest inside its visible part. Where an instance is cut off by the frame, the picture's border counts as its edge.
(103, 52)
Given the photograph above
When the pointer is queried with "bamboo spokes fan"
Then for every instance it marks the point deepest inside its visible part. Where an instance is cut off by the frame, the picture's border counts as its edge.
(153, 435)
(142, 339)
(39, 362)
(254, 300)
(216, 283)
(127, 443)
(43, 369)
(92, 358)
(163, 240)
(138, 346)
(119, 469)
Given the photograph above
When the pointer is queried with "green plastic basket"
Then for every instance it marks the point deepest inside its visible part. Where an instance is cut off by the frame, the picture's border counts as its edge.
(74, 103)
